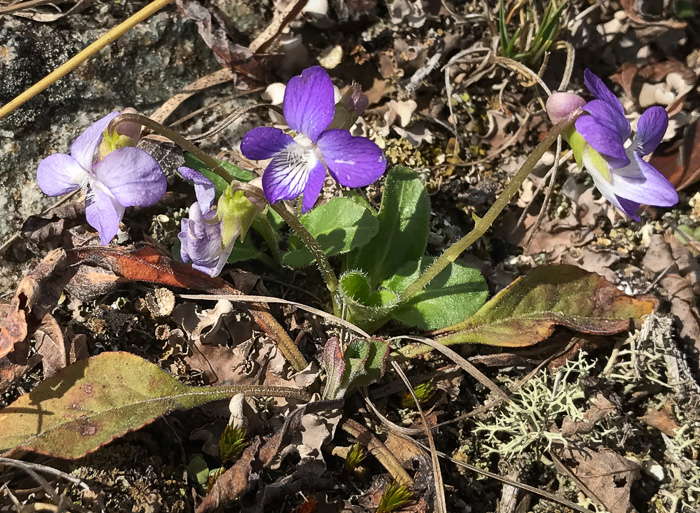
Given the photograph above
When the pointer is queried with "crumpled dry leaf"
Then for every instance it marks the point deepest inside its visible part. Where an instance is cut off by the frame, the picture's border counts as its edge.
(680, 281)
(600, 408)
(50, 225)
(36, 294)
(662, 419)
(15, 365)
(605, 476)
(665, 83)
(234, 482)
(639, 15)
(58, 351)
(213, 32)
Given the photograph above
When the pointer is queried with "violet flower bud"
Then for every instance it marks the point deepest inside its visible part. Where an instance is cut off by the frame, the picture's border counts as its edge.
(560, 105)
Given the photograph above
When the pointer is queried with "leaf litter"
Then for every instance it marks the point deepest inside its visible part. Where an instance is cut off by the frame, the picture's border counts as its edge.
(627, 441)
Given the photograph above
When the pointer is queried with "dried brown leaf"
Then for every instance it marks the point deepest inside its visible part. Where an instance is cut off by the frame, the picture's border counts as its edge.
(605, 476)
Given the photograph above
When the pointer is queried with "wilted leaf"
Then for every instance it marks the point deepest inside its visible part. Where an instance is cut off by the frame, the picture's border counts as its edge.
(605, 476)
(452, 296)
(404, 218)
(36, 294)
(93, 401)
(49, 225)
(339, 226)
(529, 309)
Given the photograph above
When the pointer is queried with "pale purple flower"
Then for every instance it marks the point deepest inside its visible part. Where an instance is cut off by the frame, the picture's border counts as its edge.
(616, 166)
(299, 163)
(125, 177)
(201, 236)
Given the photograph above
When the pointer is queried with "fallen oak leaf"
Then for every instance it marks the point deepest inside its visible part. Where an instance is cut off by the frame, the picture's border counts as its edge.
(527, 311)
(88, 404)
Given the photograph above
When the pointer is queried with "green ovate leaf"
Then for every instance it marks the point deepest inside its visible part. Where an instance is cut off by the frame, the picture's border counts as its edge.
(529, 309)
(452, 296)
(404, 218)
(339, 226)
(93, 401)
(236, 172)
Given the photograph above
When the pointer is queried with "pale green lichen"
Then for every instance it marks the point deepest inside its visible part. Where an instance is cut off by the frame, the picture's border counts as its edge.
(528, 423)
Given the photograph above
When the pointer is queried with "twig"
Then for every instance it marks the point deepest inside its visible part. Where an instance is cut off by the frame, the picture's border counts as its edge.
(378, 450)
(84, 55)
(437, 473)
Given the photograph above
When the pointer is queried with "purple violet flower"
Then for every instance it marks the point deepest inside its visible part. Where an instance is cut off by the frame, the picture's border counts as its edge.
(299, 163)
(125, 177)
(617, 168)
(200, 236)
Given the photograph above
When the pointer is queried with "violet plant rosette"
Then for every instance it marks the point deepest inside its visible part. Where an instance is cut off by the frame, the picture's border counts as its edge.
(617, 166)
(124, 177)
(299, 162)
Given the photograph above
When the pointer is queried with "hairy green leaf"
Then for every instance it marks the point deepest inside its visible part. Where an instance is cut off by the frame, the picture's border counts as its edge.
(339, 226)
(452, 296)
(236, 172)
(404, 218)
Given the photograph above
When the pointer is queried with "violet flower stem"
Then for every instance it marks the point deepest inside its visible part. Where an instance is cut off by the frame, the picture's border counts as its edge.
(482, 225)
(293, 221)
(312, 245)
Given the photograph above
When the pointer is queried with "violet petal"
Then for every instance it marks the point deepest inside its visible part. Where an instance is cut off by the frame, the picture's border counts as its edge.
(609, 117)
(103, 213)
(603, 139)
(629, 207)
(651, 128)
(59, 174)
(204, 189)
(83, 148)
(309, 102)
(653, 189)
(352, 161)
(317, 176)
(132, 176)
(201, 242)
(287, 174)
(598, 89)
(263, 142)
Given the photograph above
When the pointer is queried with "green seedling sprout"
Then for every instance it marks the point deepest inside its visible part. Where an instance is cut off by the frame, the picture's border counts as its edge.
(231, 444)
(395, 496)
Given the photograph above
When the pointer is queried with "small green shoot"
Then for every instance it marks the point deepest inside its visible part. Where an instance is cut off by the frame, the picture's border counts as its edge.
(526, 49)
(423, 392)
(355, 456)
(232, 443)
(395, 496)
(214, 474)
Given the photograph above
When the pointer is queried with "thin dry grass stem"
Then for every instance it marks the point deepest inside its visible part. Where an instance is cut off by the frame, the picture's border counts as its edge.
(519, 67)
(265, 299)
(378, 450)
(461, 361)
(83, 56)
(539, 188)
(437, 473)
(219, 103)
(45, 469)
(230, 119)
(512, 389)
(20, 6)
(547, 197)
(546, 495)
(390, 425)
(61, 502)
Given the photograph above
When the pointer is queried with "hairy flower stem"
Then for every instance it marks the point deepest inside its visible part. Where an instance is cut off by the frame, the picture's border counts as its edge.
(264, 319)
(482, 225)
(257, 390)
